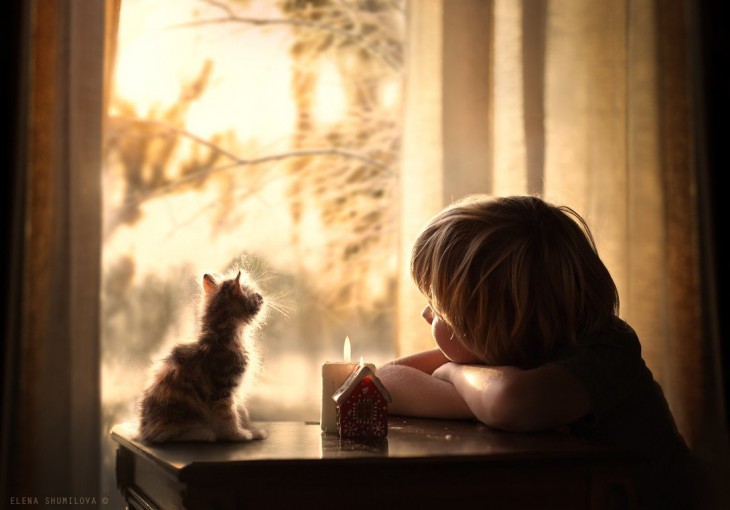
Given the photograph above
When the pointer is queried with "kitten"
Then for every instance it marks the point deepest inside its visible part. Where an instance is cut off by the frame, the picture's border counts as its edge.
(192, 396)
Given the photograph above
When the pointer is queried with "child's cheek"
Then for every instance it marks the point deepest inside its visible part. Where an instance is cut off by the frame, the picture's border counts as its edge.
(449, 345)
(458, 353)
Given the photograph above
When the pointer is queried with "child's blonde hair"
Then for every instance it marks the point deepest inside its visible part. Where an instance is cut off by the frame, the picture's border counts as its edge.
(516, 278)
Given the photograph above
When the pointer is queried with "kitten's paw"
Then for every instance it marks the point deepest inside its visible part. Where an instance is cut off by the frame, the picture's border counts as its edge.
(259, 433)
(246, 435)
(237, 435)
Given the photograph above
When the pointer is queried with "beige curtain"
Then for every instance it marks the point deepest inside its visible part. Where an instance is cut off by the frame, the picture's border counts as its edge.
(588, 103)
(51, 444)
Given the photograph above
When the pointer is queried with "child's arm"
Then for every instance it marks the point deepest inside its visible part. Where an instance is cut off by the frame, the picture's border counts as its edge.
(509, 398)
(426, 361)
(416, 393)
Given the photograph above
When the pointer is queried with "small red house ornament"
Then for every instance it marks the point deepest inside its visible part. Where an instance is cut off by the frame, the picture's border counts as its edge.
(362, 405)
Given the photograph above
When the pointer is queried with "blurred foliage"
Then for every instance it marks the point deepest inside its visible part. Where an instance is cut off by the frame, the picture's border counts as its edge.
(137, 316)
(140, 149)
(352, 190)
(356, 200)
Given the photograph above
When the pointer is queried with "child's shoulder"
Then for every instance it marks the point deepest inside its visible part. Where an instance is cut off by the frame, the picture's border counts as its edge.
(618, 333)
(614, 348)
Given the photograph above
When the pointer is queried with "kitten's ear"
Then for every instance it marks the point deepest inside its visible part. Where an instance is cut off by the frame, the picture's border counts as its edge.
(238, 277)
(209, 283)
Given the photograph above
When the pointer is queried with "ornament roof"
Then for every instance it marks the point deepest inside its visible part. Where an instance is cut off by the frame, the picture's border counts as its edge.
(354, 379)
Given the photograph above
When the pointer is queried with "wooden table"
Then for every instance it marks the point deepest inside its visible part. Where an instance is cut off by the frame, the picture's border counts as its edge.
(422, 464)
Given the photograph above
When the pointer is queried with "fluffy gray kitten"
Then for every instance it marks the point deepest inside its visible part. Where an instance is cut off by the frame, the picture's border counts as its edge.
(192, 395)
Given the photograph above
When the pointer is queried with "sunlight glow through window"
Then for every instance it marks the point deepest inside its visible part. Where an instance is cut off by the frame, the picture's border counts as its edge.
(264, 145)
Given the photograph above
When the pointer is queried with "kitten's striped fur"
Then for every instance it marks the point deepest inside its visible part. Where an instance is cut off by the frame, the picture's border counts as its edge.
(192, 396)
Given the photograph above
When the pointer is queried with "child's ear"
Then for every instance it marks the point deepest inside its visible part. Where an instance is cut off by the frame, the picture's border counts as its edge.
(208, 283)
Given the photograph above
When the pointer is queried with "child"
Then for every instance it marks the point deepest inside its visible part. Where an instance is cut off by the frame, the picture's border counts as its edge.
(525, 317)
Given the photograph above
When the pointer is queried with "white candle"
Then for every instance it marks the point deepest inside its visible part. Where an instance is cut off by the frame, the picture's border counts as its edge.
(334, 375)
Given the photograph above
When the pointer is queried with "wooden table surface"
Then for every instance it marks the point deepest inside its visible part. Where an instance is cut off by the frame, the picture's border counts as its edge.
(421, 461)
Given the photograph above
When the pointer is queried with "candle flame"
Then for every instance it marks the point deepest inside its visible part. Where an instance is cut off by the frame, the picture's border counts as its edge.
(362, 361)
(347, 349)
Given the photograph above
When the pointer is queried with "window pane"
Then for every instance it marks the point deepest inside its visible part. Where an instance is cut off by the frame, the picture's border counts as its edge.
(257, 133)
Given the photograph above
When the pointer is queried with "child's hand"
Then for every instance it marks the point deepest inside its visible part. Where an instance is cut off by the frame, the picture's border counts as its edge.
(426, 361)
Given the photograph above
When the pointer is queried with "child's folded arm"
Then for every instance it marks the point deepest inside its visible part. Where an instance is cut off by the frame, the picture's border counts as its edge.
(426, 361)
(416, 393)
(510, 398)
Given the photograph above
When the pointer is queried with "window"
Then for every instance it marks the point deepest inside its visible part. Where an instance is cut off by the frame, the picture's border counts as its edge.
(259, 133)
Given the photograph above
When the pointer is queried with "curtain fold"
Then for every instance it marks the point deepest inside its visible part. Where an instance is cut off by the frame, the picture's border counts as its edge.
(53, 420)
(691, 365)
(590, 104)
(447, 142)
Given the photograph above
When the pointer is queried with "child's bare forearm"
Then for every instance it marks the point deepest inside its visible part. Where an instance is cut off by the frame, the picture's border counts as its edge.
(513, 399)
(416, 393)
(482, 389)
